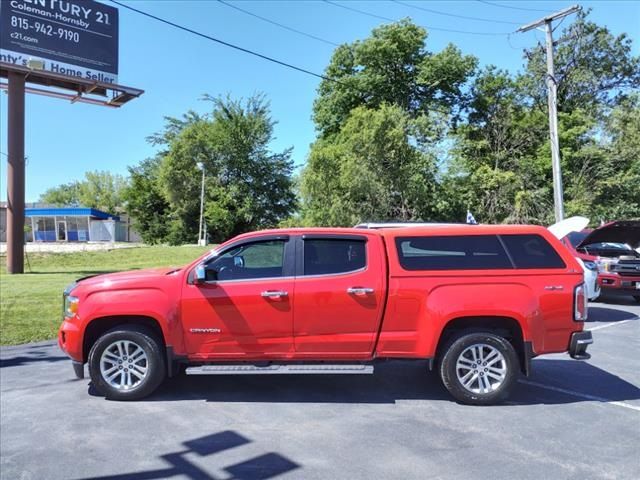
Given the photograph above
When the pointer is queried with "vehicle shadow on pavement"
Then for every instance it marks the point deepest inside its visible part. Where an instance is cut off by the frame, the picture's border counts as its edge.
(604, 314)
(261, 467)
(567, 381)
(393, 381)
(616, 300)
(34, 355)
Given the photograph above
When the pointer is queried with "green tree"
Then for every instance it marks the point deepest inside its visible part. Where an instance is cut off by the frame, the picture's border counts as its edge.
(501, 165)
(67, 194)
(391, 66)
(380, 123)
(246, 185)
(369, 171)
(145, 202)
(617, 195)
(99, 189)
(593, 68)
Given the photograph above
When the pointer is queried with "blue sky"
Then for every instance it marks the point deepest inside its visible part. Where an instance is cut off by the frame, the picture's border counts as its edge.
(175, 68)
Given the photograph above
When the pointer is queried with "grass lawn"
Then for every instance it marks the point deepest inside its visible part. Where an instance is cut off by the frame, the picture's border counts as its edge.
(31, 304)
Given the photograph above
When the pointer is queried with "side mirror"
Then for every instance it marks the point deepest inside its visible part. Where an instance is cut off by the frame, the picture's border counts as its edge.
(200, 274)
(238, 261)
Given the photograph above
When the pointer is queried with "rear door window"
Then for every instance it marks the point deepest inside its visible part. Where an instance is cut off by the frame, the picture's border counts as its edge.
(332, 256)
(452, 253)
(532, 251)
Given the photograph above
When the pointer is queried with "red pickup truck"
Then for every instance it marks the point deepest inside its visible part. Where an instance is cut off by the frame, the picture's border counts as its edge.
(474, 302)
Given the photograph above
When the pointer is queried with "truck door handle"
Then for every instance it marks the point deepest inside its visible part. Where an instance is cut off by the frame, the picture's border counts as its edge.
(554, 287)
(359, 290)
(274, 293)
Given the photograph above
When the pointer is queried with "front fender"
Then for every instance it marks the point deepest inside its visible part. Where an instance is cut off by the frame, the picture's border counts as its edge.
(140, 301)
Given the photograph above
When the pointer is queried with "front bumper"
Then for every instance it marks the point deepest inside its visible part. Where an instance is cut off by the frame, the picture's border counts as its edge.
(70, 339)
(613, 281)
(579, 343)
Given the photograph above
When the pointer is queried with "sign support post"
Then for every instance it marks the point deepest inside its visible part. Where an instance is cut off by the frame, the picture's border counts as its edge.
(55, 45)
(15, 173)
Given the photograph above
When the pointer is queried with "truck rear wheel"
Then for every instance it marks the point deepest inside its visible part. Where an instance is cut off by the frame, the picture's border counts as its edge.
(126, 363)
(479, 368)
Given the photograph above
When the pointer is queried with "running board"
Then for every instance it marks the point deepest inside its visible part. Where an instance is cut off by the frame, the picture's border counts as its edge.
(281, 369)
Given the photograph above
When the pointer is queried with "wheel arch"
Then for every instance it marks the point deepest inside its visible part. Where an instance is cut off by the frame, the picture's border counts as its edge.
(507, 327)
(98, 326)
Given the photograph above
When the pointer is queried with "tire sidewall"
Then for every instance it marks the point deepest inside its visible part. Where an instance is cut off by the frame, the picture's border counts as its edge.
(450, 377)
(155, 363)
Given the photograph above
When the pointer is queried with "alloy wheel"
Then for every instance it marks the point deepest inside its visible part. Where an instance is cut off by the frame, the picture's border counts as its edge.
(481, 368)
(124, 365)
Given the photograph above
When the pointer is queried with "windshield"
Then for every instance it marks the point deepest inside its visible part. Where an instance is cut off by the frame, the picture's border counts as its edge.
(608, 246)
(576, 237)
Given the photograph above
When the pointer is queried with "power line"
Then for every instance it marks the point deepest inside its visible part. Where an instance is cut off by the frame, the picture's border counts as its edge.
(559, 24)
(286, 27)
(373, 15)
(512, 8)
(226, 44)
(387, 19)
(251, 52)
(430, 10)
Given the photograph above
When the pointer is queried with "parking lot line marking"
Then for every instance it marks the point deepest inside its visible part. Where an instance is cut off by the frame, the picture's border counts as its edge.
(610, 324)
(580, 395)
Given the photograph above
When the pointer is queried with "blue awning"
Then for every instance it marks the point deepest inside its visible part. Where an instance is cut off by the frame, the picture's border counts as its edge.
(69, 212)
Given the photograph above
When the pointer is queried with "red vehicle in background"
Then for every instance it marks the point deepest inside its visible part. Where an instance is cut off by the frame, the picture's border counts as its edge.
(613, 249)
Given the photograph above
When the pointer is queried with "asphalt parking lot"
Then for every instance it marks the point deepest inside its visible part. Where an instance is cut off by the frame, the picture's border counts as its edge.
(569, 420)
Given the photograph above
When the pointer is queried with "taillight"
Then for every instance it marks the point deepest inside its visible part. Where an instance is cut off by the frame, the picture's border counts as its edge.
(580, 303)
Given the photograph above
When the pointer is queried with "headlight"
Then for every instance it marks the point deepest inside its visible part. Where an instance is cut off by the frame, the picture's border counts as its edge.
(590, 265)
(70, 305)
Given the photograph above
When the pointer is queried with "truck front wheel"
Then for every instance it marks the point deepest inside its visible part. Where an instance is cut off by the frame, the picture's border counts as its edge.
(479, 368)
(126, 363)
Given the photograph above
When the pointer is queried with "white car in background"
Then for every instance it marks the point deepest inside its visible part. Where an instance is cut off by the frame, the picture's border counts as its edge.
(577, 224)
(590, 279)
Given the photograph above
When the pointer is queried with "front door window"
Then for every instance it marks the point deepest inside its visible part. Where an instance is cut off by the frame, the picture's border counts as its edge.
(250, 261)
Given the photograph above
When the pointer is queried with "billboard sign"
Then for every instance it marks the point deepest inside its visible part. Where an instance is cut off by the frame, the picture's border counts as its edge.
(77, 38)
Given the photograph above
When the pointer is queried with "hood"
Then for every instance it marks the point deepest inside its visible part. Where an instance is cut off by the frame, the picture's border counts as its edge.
(622, 231)
(568, 225)
(133, 275)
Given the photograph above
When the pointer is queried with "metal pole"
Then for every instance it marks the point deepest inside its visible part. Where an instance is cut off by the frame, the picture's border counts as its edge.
(15, 174)
(200, 232)
(558, 200)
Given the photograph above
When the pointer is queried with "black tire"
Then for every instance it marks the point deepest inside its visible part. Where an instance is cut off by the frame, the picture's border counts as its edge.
(448, 366)
(155, 364)
(636, 298)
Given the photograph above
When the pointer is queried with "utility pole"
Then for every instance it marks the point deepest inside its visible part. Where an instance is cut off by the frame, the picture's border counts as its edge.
(552, 100)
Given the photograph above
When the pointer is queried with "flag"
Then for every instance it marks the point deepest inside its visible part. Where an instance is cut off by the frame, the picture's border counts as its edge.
(470, 219)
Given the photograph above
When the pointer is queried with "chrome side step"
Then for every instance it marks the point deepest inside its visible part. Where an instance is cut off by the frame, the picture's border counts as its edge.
(281, 369)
